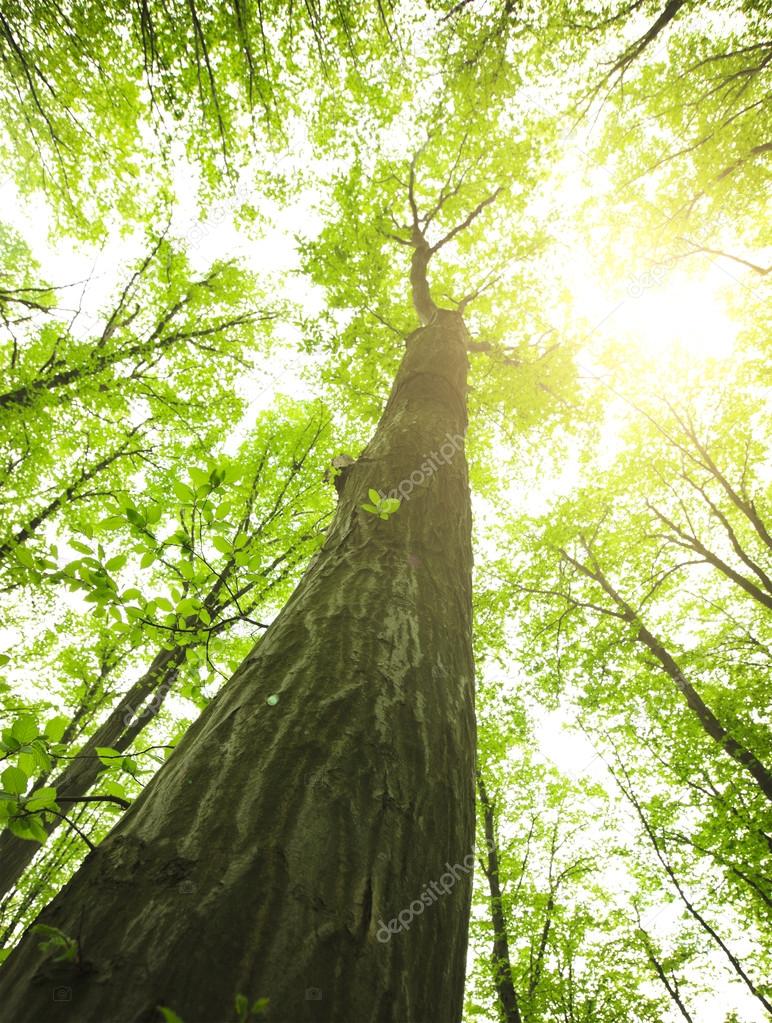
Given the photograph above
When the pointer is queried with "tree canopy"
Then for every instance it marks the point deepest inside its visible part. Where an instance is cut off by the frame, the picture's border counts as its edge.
(246, 254)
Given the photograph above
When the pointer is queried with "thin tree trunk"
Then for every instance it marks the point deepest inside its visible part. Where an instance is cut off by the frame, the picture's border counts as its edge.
(707, 719)
(691, 909)
(710, 723)
(66, 497)
(670, 984)
(324, 789)
(502, 965)
(80, 774)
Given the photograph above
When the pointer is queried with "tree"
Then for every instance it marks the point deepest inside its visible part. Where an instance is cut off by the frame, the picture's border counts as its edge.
(678, 518)
(444, 191)
(414, 568)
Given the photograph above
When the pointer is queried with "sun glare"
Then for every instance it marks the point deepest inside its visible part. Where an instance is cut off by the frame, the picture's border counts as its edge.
(661, 311)
(690, 315)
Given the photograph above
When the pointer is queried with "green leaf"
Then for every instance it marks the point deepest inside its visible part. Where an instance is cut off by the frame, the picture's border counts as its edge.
(186, 570)
(199, 477)
(108, 755)
(42, 759)
(221, 544)
(56, 727)
(169, 1015)
(10, 741)
(183, 492)
(117, 562)
(42, 799)
(113, 788)
(24, 557)
(25, 728)
(112, 522)
(28, 828)
(14, 780)
(374, 496)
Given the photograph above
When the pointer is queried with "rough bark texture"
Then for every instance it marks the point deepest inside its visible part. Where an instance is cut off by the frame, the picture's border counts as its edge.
(127, 719)
(268, 852)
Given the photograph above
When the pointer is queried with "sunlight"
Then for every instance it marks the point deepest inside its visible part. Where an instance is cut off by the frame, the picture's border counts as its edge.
(688, 314)
(660, 310)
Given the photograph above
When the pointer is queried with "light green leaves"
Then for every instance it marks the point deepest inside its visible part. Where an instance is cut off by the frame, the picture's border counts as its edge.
(108, 755)
(14, 780)
(246, 1012)
(221, 544)
(25, 817)
(42, 799)
(55, 728)
(184, 493)
(24, 742)
(383, 507)
(169, 1015)
(24, 729)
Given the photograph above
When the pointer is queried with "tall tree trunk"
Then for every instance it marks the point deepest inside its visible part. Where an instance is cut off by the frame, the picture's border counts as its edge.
(311, 839)
(124, 722)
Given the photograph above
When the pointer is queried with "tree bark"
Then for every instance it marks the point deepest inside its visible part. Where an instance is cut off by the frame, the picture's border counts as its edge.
(270, 853)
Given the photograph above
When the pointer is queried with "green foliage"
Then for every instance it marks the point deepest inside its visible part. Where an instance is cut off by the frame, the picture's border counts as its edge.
(60, 946)
(383, 507)
(169, 1015)
(246, 1011)
(156, 509)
